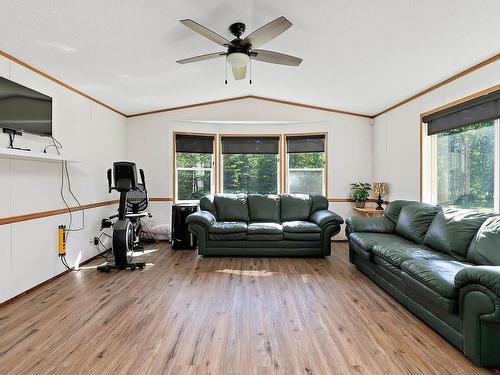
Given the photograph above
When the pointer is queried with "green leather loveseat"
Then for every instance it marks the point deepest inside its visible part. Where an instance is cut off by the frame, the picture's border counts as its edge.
(442, 264)
(264, 225)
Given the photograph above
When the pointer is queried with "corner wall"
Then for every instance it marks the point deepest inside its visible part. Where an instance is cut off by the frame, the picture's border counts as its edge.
(91, 134)
(396, 135)
(349, 143)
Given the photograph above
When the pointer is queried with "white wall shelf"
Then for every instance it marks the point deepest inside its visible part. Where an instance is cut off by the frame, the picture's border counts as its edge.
(31, 155)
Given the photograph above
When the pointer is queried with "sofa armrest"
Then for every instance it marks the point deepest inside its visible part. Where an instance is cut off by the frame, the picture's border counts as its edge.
(324, 217)
(486, 276)
(368, 224)
(204, 218)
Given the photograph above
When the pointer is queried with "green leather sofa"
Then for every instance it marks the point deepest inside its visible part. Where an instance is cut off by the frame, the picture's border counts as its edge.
(442, 264)
(264, 225)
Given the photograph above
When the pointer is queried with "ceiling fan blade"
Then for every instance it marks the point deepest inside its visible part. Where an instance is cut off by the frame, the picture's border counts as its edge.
(275, 57)
(240, 72)
(203, 31)
(208, 56)
(268, 32)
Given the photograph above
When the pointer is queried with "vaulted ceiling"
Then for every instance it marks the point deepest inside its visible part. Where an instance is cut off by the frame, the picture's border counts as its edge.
(359, 55)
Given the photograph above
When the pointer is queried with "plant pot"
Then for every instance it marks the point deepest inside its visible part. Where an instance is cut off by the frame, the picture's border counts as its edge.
(360, 204)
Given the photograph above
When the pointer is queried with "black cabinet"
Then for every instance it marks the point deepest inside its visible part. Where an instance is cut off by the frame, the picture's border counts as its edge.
(181, 238)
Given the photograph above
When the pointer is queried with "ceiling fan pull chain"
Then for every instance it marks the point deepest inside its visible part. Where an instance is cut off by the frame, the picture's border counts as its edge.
(225, 71)
(250, 70)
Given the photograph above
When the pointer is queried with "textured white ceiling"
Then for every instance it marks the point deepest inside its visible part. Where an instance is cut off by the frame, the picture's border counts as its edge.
(359, 55)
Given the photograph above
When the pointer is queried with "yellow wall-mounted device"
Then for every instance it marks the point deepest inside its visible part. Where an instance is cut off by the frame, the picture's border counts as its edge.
(61, 240)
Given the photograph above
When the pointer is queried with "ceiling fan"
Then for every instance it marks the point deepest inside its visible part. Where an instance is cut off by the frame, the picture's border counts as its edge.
(241, 51)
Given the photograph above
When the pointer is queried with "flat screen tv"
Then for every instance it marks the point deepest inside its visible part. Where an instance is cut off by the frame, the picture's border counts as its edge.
(24, 110)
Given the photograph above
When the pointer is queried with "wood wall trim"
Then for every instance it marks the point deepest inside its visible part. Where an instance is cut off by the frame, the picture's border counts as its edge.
(60, 211)
(442, 83)
(310, 106)
(160, 199)
(272, 100)
(59, 82)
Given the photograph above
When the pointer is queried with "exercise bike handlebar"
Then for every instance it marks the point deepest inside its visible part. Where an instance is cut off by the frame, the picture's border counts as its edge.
(109, 181)
(143, 180)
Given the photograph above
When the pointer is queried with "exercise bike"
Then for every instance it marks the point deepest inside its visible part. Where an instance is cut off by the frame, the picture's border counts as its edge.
(127, 227)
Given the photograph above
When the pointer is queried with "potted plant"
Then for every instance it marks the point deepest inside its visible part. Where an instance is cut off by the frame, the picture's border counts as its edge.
(360, 192)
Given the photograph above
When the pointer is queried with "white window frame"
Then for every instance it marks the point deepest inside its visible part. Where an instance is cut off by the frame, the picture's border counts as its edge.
(429, 167)
(278, 163)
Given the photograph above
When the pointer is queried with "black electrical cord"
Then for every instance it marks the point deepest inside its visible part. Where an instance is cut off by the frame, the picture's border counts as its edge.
(56, 144)
(65, 165)
(152, 235)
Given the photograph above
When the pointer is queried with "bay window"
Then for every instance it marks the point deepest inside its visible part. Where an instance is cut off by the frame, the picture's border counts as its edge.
(250, 164)
(305, 157)
(194, 166)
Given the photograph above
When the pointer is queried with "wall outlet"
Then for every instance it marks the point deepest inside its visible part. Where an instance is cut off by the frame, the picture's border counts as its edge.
(96, 241)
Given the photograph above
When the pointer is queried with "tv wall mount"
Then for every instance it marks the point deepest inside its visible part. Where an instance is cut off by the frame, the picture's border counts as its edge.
(12, 136)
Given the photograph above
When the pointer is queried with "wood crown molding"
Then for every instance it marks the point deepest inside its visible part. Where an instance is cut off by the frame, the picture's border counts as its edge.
(273, 100)
(60, 211)
(263, 98)
(442, 83)
(59, 82)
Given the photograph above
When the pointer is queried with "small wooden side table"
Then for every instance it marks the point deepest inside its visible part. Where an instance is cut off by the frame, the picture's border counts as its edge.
(369, 211)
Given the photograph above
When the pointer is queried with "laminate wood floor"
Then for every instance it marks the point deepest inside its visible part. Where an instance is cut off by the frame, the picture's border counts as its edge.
(186, 314)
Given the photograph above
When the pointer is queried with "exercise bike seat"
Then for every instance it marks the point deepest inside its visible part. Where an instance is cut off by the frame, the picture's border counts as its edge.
(139, 215)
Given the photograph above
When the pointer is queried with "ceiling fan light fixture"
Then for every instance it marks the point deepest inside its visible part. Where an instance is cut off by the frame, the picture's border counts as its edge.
(238, 59)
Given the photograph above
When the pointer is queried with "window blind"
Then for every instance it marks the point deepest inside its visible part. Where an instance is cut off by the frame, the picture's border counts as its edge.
(483, 108)
(305, 143)
(200, 144)
(250, 145)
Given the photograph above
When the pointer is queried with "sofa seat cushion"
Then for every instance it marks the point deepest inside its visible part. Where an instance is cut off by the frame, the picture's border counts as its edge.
(366, 241)
(396, 254)
(264, 232)
(304, 236)
(224, 227)
(228, 230)
(264, 228)
(436, 274)
(300, 226)
(301, 231)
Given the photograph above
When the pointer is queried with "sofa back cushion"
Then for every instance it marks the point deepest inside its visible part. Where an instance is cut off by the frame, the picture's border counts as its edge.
(452, 230)
(207, 204)
(318, 202)
(264, 207)
(484, 248)
(393, 209)
(231, 207)
(414, 220)
(295, 207)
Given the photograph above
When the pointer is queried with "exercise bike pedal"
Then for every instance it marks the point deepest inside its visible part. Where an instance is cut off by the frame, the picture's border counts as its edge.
(106, 269)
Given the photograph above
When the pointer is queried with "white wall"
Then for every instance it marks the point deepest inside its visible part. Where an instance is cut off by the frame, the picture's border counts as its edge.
(91, 134)
(396, 136)
(350, 144)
